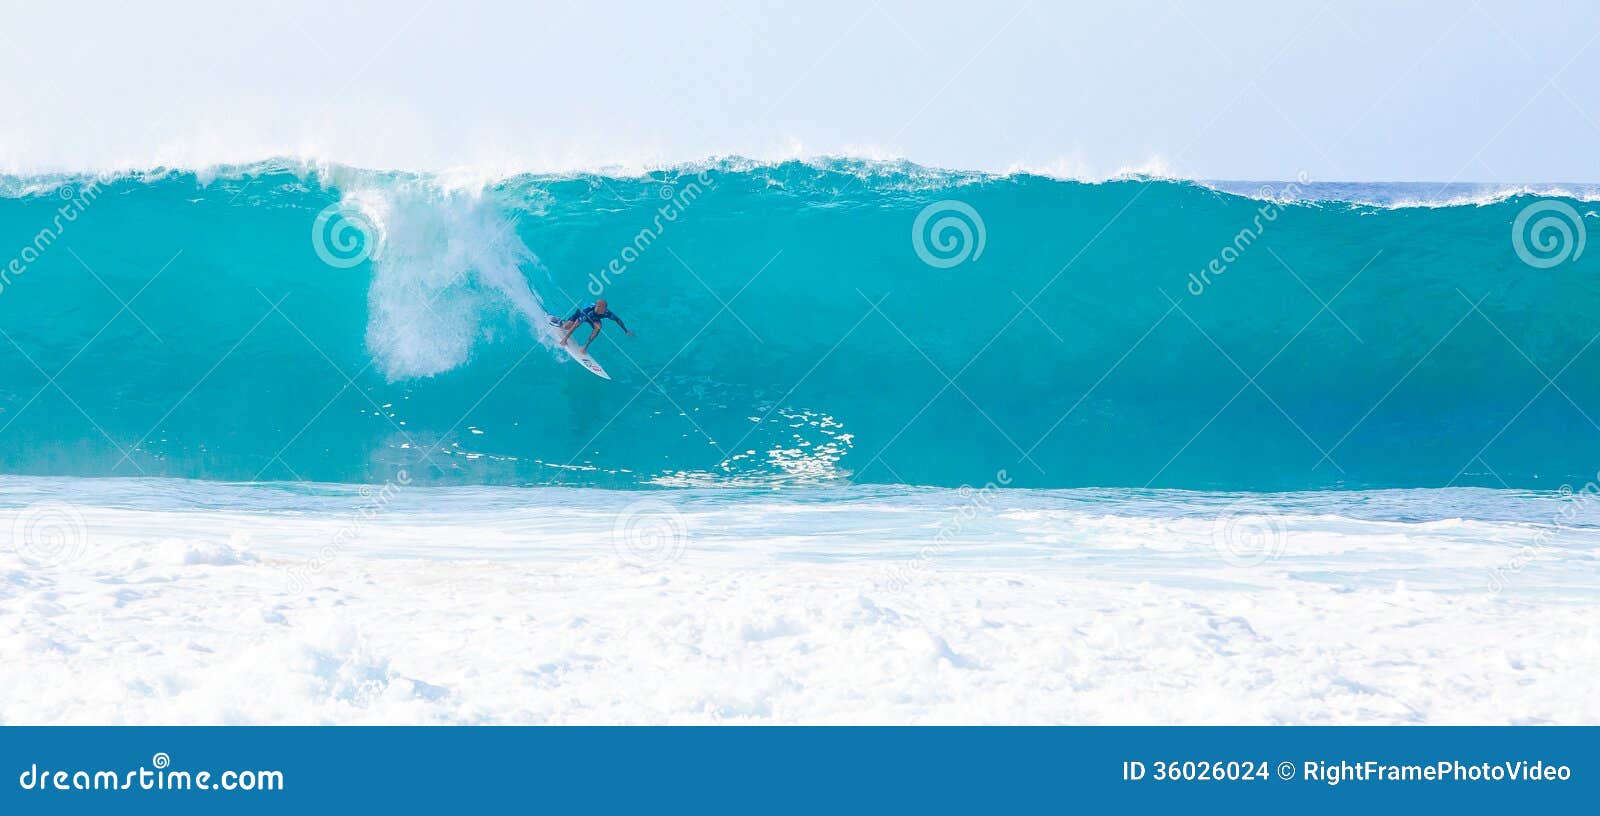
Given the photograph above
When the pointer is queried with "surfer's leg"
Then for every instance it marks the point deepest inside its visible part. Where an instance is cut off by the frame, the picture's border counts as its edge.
(592, 336)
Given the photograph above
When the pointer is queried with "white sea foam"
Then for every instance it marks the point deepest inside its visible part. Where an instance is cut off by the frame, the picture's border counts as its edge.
(1402, 195)
(868, 164)
(210, 603)
(445, 262)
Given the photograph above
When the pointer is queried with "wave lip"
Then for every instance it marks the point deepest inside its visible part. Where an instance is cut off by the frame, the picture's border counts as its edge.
(1403, 195)
(891, 172)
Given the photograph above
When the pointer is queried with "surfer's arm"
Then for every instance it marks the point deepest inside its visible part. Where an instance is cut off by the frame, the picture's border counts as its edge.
(624, 326)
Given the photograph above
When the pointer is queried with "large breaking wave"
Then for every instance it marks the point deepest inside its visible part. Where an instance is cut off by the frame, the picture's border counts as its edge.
(797, 322)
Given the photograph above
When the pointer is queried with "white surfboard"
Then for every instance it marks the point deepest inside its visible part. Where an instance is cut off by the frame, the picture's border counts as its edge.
(579, 354)
(586, 361)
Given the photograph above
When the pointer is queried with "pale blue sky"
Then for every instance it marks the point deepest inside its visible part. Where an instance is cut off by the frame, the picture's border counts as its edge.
(1437, 91)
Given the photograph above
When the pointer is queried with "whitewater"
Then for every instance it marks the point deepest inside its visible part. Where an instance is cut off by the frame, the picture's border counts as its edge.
(291, 442)
(222, 603)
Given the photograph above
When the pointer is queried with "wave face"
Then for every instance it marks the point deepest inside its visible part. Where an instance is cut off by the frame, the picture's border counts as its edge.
(323, 323)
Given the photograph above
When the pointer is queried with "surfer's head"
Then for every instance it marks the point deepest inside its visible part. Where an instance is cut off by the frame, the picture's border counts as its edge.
(600, 306)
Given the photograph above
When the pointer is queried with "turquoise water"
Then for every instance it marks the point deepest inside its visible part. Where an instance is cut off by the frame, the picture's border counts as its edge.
(789, 331)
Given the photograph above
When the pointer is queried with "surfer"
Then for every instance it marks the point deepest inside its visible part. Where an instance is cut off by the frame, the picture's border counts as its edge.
(591, 314)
